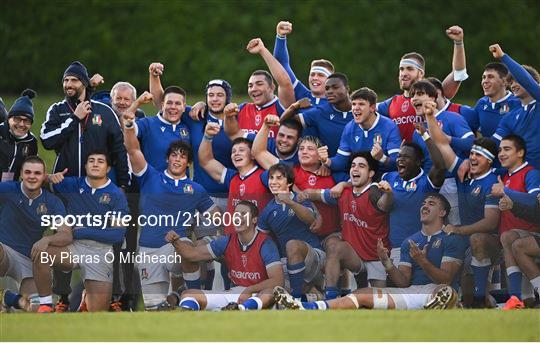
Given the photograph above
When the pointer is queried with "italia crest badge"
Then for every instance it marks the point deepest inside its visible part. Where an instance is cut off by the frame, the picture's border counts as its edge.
(188, 188)
(105, 198)
(96, 120)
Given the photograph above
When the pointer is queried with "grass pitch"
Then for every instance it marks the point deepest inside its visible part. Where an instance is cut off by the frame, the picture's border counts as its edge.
(454, 325)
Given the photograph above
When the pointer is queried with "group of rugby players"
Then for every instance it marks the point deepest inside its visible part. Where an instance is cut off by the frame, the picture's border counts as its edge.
(415, 201)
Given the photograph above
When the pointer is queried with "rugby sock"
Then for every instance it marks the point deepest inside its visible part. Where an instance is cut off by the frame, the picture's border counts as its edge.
(296, 278)
(193, 280)
(210, 274)
(536, 283)
(253, 303)
(480, 270)
(225, 276)
(11, 299)
(331, 293)
(514, 281)
(496, 277)
(45, 300)
(190, 303)
(315, 305)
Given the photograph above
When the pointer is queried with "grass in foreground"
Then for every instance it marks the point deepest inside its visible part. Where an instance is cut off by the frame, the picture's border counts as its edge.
(456, 325)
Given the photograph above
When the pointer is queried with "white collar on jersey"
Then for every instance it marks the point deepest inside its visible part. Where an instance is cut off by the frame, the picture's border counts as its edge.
(518, 168)
(100, 187)
(481, 176)
(251, 171)
(344, 114)
(173, 179)
(220, 121)
(429, 236)
(268, 103)
(27, 197)
(445, 107)
(291, 196)
(377, 118)
(160, 117)
(243, 246)
(508, 94)
(416, 177)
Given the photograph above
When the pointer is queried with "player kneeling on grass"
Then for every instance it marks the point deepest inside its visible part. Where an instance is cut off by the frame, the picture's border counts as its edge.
(252, 260)
(430, 261)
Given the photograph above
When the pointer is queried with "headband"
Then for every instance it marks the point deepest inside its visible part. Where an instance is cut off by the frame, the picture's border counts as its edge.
(319, 69)
(410, 62)
(483, 151)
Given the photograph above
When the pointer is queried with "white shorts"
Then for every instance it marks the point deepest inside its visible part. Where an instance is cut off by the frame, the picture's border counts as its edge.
(412, 297)
(375, 270)
(94, 259)
(19, 265)
(215, 300)
(150, 273)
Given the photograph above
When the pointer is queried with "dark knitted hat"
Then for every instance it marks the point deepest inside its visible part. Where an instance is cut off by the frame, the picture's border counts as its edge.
(23, 105)
(78, 70)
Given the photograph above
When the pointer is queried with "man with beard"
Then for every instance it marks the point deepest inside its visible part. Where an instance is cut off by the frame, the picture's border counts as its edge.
(261, 91)
(73, 128)
(369, 131)
(330, 118)
(16, 140)
(411, 69)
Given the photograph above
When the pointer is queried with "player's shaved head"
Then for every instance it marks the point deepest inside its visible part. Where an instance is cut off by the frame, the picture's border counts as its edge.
(267, 76)
(33, 160)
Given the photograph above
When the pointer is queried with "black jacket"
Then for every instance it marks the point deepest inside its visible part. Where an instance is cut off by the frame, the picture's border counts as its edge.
(13, 151)
(74, 139)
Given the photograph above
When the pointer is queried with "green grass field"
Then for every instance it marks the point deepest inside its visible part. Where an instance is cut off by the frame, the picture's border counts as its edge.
(454, 325)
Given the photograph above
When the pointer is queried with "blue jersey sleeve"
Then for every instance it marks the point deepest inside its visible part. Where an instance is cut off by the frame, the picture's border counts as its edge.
(392, 146)
(416, 138)
(264, 178)
(522, 77)
(382, 107)
(204, 201)
(504, 128)
(57, 207)
(68, 185)
(463, 137)
(227, 176)
(251, 136)
(281, 53)
(532, 181)
(327, 199)
(142, 127)
(147, 175)
(471, 117)
(269, 253)
(7, 190)
(262, 223)
(217, 247)
(522, 198)
(454, 249)
(405, 257)
(309, 117)
(341, 159)
(340, 177)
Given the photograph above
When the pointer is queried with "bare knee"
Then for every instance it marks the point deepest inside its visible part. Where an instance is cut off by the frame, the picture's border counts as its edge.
(521, 245)
(296, 249)
(508, 237)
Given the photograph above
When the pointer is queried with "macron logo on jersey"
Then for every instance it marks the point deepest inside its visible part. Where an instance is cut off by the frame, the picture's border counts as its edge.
(332, 116)
(162, 129)
(252, 276)
(352, 218)
(356, 138)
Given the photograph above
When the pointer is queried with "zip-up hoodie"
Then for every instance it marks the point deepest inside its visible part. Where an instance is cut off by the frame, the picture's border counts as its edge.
(14, 150)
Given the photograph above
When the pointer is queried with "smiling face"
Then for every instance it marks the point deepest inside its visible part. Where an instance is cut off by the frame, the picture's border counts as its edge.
(316, 82)
(173, 106)
(432, 210)
(418, 100)
(177, 163)
(33, 175)
(19, 126)
(73, 87)
(246, 221)
(241, 155)
(408, 163)
(259, 90)
(286, 140)
(362, 111)
(492, 83)
(360, 173)
(509, 156)
(479, 164)
(307, 154)
(216, 98)
(277, 182)
(122, 98)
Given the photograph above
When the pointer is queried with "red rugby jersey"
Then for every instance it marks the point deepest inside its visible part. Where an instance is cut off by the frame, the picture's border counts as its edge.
(246, 268)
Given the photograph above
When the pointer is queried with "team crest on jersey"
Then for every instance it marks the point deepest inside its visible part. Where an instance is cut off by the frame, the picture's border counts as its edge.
(183, 132)
(274, 213)
(504, 109)
(257, 120)
(41, 209)
(410, 186)
(290, 213)
(437, 243)
(105, 199)
(244, 260)
(188, 188)
(312, 180)
(353, 205)
(405, 106)
(242, 190)
(476, 191)
(356, 138)
(96, 120)
(144, 274)
(162, 129)
(377, 139)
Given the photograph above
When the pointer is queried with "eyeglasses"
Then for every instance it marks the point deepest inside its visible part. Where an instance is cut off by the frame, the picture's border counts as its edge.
(23, 120)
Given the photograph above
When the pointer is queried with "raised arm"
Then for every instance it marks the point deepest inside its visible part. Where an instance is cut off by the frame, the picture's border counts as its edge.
(136, 157)
(281, 52)
(285, 87)
(401, 276)
(230, 124)
(259, 150)
(519, 73)
(459, 66)
(305, 214)
(155, 70)
(441, 140)
(437, 171)
(206, 156)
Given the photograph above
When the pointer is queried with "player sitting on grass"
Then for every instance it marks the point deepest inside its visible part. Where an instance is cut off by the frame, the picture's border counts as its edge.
(430, 261)
(252, 260)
